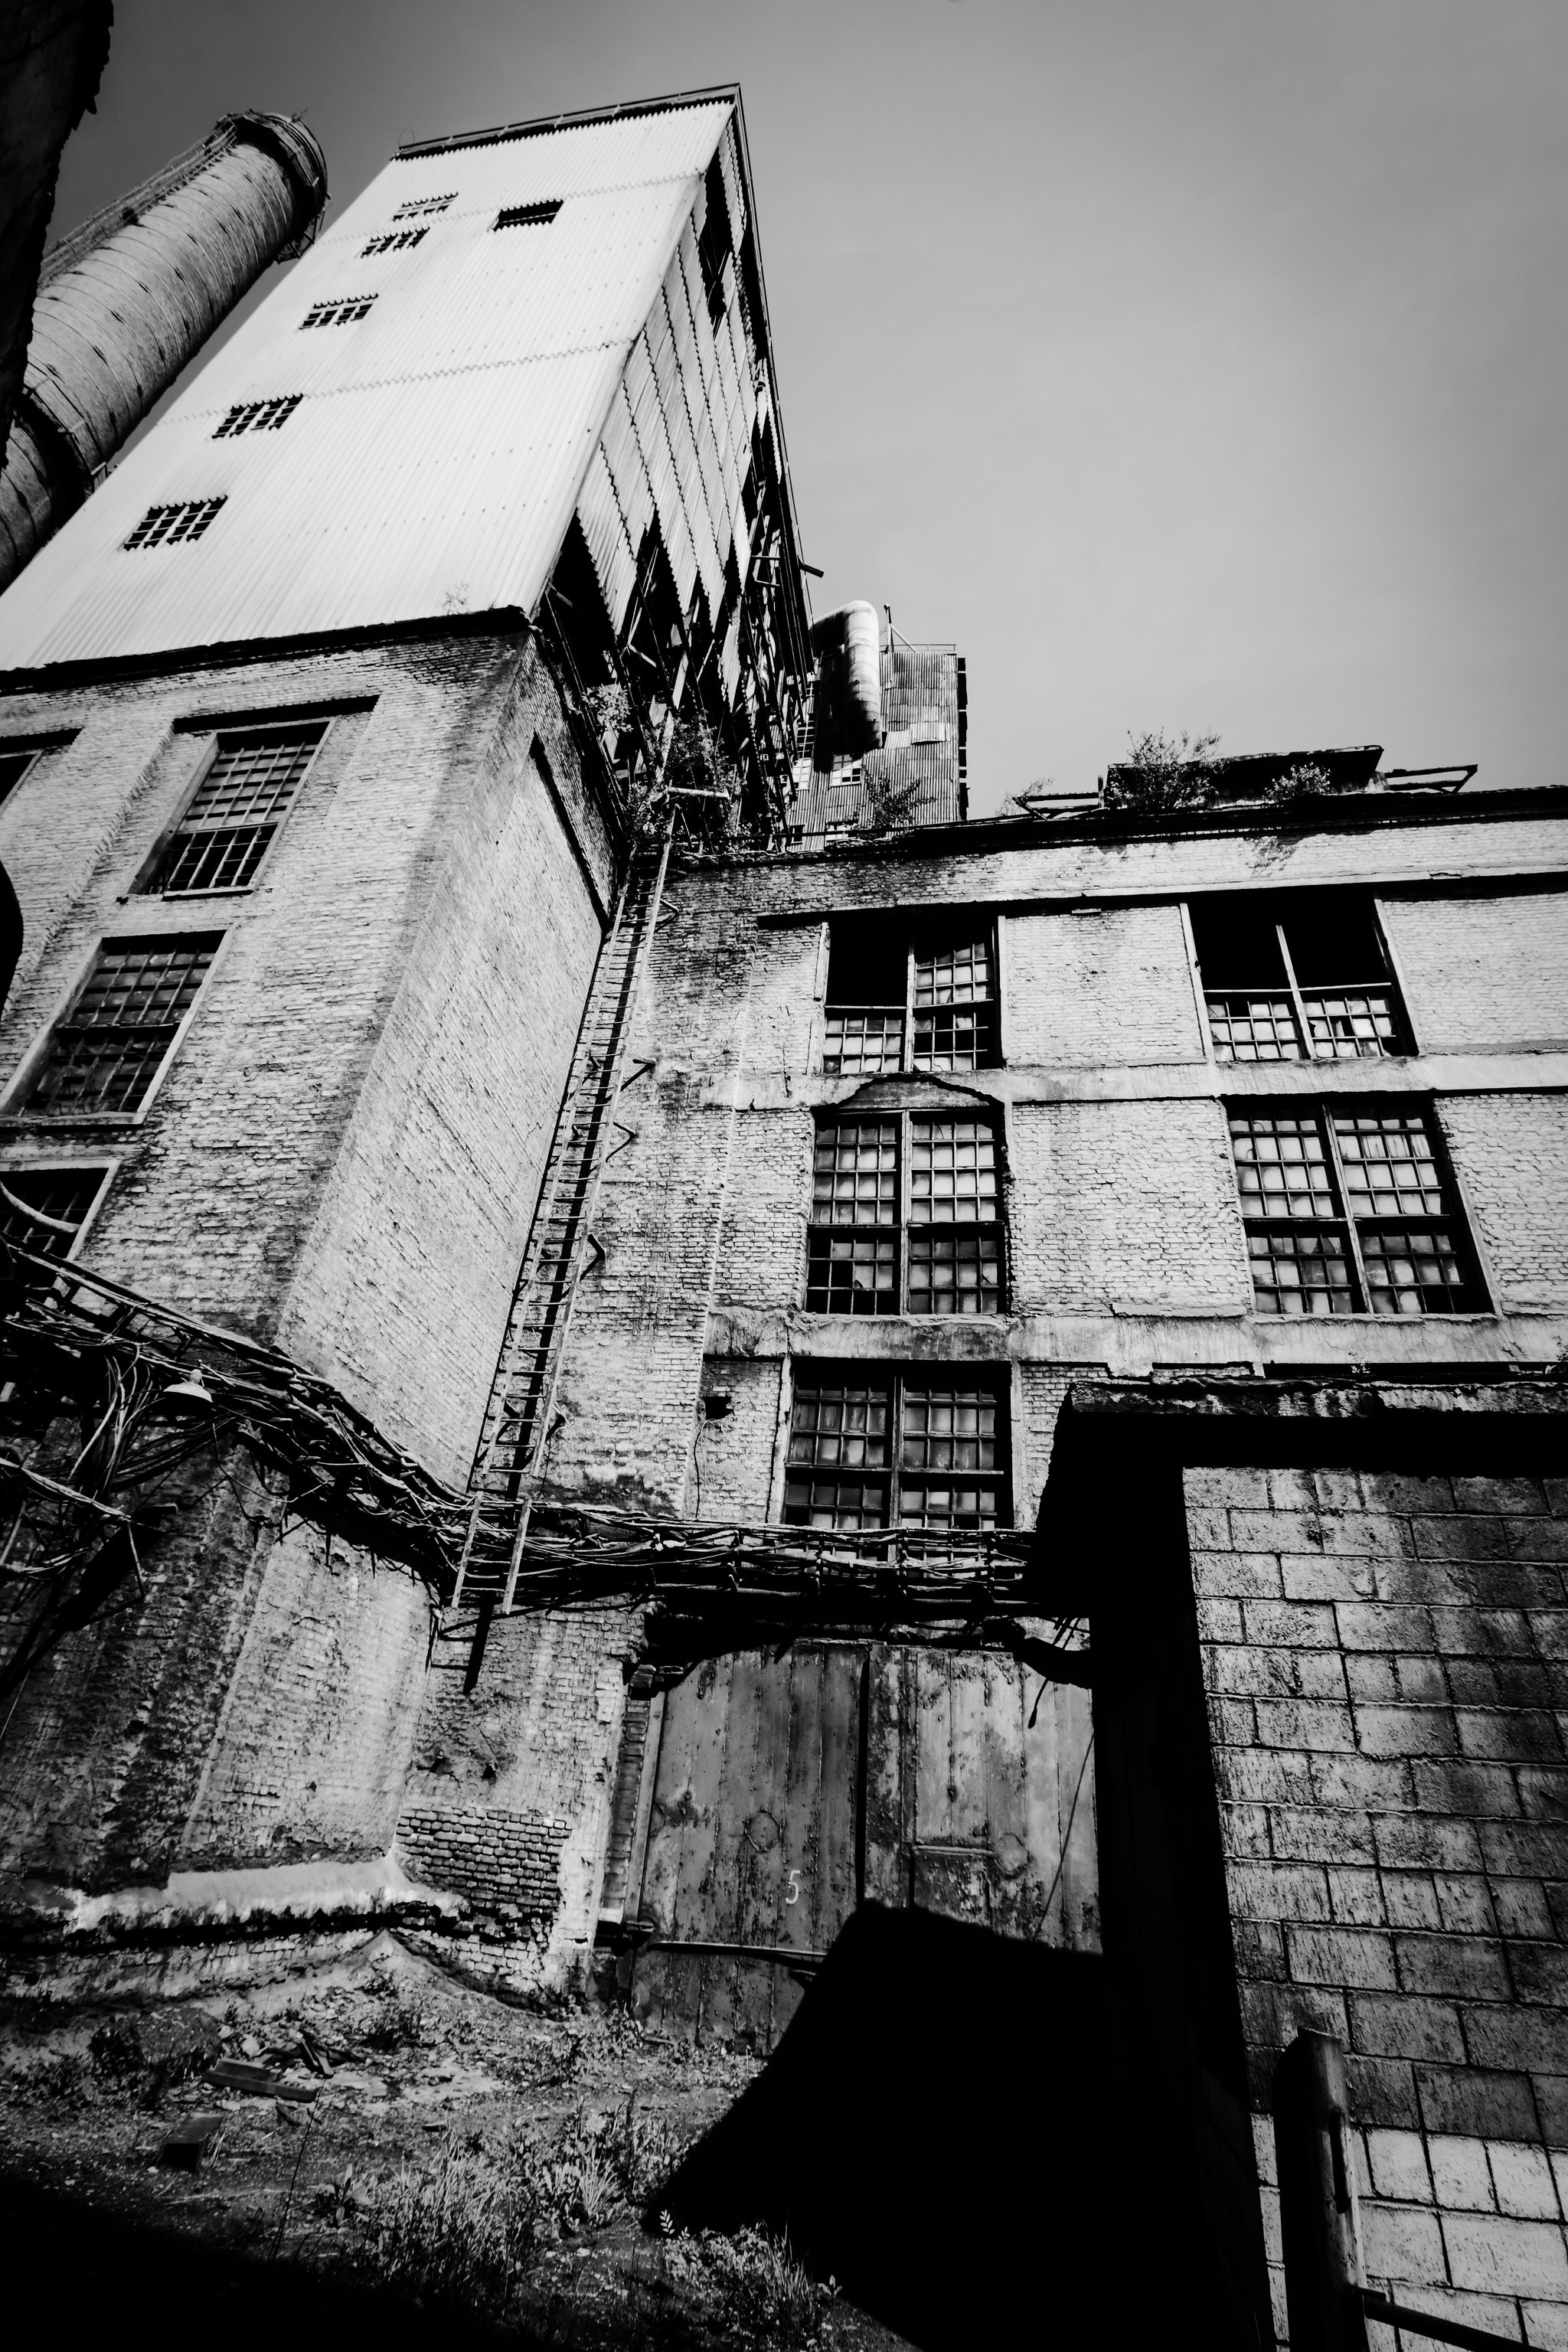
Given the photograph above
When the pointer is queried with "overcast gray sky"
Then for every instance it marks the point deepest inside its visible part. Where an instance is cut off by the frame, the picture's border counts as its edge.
(1192, 364)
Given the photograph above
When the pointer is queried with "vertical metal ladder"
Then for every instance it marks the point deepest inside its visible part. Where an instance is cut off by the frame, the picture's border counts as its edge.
(517, 1421)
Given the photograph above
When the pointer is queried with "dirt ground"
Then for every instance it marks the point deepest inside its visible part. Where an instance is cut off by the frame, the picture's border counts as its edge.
(415, 2086)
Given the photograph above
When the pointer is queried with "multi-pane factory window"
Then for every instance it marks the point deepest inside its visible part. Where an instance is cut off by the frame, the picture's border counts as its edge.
(1351, 1211)
(1297, 978)
(905, 1218)
(249, 786)
(396, 240)
(894, 1447)
(258, 416)
(341, 313)
(904, 1000)
(162, 526)
(14, 766)
(105, 1052)
(528, 215)
(44, 1209)
(418, 206)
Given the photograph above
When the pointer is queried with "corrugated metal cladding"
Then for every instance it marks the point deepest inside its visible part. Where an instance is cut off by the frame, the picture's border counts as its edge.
(677, 444)
(435, 460)
(917, 776)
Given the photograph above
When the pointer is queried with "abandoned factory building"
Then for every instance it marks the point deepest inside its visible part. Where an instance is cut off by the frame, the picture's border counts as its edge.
(632, 1343)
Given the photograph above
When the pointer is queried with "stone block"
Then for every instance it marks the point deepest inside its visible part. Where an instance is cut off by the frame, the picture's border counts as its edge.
(1410, 1899)
(1400, 2025)
(1523, 2036)
(1461, 2176)
(1520, 1735)
(1521, 2176)
(1405, 1730)
(1519, 1908)
(1493, 2253)
(1469, 1968)
(1396, 2162)
(1347, 1957)
(1355, 1898)
(1400, 2241)
(1286, 1624)
(1423, 1840)
(1474, 2103)
(1383, 2091)
(1303, 1723)
(1318, 1833)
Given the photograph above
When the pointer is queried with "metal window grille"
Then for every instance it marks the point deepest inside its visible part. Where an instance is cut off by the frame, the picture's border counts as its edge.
(933, 1007)
(239, 804)
(900, 1449)
(396, 240)
(14, 766)
(163, 526)
(44, 1209)
(110, 1046)
(341, 313)
(873, 1251)
(1298, 981)
(1351, 1213)
(418, 206)
(528, 215)
(258, 416)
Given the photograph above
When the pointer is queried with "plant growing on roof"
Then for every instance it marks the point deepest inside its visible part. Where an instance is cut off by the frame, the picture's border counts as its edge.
(1302, 779)
(888, 804)
(1161, 772)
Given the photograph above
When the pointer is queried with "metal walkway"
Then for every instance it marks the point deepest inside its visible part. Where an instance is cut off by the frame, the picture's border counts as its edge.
(517, 1425)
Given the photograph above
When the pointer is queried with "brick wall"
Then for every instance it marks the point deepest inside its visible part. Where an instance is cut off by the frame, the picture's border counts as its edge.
(1385, 1662)
(1112, 986)
(1511, 1155)
(1484, 971)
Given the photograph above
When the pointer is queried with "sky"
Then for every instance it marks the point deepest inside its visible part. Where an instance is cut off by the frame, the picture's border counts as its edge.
(1192, 364)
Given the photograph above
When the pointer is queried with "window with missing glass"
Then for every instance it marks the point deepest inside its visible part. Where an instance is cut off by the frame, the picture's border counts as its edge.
(258, 417)
(905, 1217)
(1302, 977)
(897, 1446)
(1352, 1210)
(903, 998)
(43, 1210)
(169, 526)
(15, 761)
(108, 1047)
(251, 781)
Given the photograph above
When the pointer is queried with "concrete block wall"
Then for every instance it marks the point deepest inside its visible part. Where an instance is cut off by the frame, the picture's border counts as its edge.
(1110, 986)
(1387, 1700)
(1510, 1152)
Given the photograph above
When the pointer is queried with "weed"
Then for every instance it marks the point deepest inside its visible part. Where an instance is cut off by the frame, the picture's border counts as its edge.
(396, 2024)
(750, 2283)
(1161, 772)
(1297, 783)
(456, 2235)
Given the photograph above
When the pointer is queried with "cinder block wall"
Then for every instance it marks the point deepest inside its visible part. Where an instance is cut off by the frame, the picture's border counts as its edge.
(1387, 1666)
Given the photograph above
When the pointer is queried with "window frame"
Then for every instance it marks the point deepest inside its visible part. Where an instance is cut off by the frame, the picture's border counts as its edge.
(338, 310)
(247, 416)
(988, 930)
(1325, 1111)
(902, 1227)
(147, 883)
(15, 1112)
(539, 213)
(898, 1377)
(137, 544)
(105, 1168)
(1404, 1047)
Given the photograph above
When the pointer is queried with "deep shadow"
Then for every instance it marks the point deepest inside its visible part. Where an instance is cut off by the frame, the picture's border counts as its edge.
(935, 2129)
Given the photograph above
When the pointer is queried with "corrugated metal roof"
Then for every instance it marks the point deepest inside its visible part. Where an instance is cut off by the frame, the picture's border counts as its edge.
(436, 459)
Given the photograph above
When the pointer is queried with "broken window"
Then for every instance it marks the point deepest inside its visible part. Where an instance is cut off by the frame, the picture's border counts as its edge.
(1351, 1212)
(340, 313)
(898, 1001)
(905, 1218)
(897, 1447)
(104, 1052)
(1301, 978)
(418, 206)
(396, 240)
(258, 416)
(44, 1209)
(251, 783)
(163, 526)
(13, 765)
(528, 215)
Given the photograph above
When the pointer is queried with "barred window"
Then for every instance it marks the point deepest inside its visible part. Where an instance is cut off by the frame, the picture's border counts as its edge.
(418, 206)
(396, 240)
(905, 1218)
(111, 1044)
(44, 1209)
(1351, 1213)
(538, 215)
(340, 313)
(898, 1448)
(253, 780)
(898, 1001)
(1303, 977)
(258, 417)
(165, 526)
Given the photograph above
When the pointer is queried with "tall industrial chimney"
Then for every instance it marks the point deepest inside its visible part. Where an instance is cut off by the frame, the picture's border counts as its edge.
(127, 300)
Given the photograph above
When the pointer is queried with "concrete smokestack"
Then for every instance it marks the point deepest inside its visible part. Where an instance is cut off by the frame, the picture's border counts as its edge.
(127, 300)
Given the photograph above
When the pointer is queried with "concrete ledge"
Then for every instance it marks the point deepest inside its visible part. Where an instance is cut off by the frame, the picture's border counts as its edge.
(200, 1906)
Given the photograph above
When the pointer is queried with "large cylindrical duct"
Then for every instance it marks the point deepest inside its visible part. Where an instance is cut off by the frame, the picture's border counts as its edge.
(127, 300)
(848, 710)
